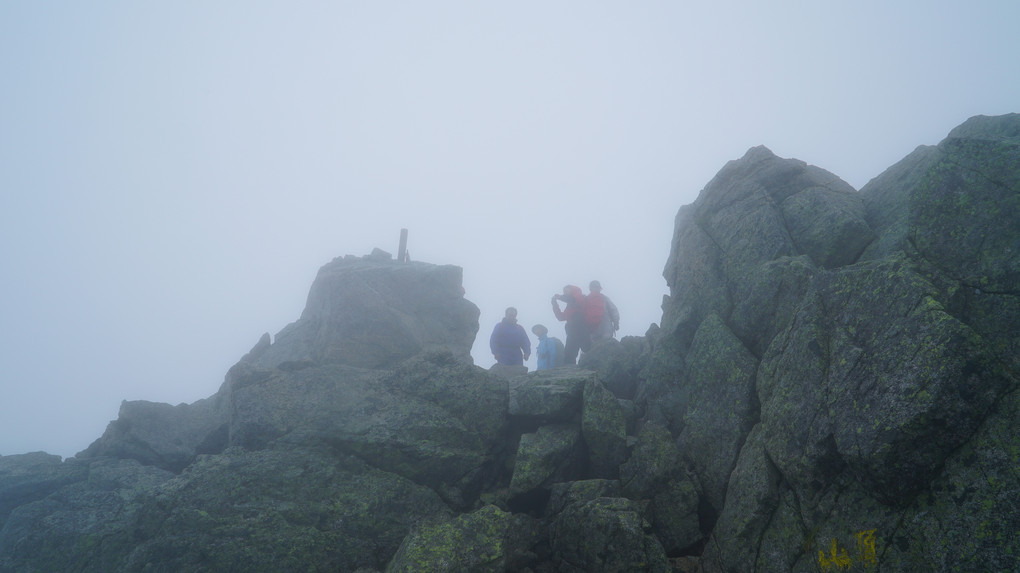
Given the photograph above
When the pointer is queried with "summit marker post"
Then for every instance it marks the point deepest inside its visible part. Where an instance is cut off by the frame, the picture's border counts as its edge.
(402, 251)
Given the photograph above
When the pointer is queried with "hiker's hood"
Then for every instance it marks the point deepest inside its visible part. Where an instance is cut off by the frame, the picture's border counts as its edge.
(575, 292)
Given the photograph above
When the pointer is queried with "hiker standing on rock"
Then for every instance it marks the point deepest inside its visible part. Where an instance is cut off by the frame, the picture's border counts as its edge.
(549, 352)
(578, 333)
(600, 313)
(508, 342)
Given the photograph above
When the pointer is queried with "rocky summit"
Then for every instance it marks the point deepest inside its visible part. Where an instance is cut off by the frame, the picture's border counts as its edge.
(833, 387)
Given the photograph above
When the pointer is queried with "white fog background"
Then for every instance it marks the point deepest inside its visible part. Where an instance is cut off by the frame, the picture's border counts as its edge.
(173, 174)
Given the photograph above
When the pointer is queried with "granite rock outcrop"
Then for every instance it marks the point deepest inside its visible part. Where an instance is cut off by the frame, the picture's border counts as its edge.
(833, 387)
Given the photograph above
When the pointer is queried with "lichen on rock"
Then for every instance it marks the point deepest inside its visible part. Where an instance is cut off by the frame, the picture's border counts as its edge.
(833, 386)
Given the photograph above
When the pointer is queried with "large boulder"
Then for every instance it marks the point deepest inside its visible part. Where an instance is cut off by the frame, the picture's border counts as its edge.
(368, 452)
(550, 454)
(604, 428)
(548, 395)
(656, 472)
(373, 312)
(277, 510)
(618, 363)
(957, 209)
(757, 210)
(26, 478)
(486, 540)
(719, 405)
(851, 383)
(87, 523)
(605, 534)
(748, 515)
(434, 420)
(363, 314)
(163, 435)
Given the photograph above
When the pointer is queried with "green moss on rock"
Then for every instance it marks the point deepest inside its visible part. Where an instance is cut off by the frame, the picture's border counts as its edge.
(469, 542)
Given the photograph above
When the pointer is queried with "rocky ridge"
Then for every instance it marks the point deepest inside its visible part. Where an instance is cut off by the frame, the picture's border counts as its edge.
(833, 387)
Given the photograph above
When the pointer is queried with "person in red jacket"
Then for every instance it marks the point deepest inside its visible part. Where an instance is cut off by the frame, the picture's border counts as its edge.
(578, 332)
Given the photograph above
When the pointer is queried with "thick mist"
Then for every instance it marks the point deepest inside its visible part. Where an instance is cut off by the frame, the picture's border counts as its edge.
(173, 176)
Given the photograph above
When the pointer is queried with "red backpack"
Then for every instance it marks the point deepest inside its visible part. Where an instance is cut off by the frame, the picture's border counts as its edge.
(594, 308)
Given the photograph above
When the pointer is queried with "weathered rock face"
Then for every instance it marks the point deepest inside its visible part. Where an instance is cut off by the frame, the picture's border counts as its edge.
(743, 243)
(844, 379)
(834, 387)
(363, 314)
(163, 435)
(372, 312)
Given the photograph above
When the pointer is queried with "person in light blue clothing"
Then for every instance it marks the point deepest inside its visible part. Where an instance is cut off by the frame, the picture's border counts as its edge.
(549, 351)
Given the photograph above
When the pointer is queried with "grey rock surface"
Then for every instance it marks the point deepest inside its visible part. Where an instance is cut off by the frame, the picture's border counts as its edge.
(846, 376)
(373, 313)
(835, 385)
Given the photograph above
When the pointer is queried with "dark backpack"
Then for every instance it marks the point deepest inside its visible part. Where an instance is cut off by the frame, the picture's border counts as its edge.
(558, 360)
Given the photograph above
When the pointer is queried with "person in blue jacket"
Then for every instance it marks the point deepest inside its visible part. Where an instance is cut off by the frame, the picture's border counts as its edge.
(549, 351)
(509, 343)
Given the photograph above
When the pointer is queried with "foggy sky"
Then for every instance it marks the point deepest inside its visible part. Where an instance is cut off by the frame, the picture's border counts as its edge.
(173, 175)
